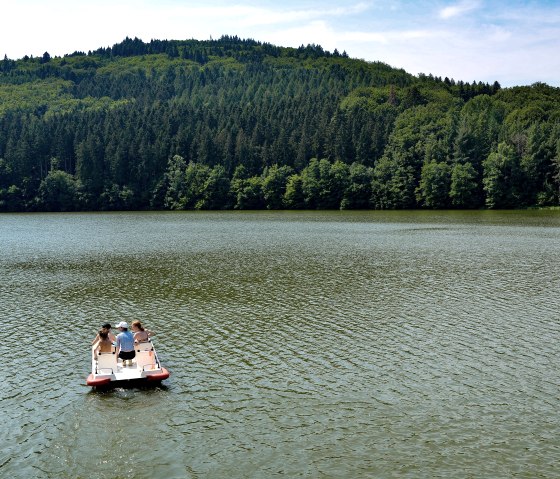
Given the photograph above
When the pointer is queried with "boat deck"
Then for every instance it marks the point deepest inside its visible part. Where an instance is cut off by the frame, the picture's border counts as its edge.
(108, 368)
(131, 372)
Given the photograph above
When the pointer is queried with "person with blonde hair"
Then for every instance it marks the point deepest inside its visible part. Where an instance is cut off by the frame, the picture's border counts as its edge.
(141, 335)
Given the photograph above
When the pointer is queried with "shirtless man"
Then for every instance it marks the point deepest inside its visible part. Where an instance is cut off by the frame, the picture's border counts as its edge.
(106, 327)
(104, 345)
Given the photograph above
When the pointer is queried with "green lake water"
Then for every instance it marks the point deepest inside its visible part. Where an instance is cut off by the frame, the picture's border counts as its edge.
(300, 344)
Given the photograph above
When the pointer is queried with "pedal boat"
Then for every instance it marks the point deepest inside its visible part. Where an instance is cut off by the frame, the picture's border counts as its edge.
(109, 370)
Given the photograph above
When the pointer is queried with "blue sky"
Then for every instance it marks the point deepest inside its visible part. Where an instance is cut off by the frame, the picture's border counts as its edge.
(513, 42)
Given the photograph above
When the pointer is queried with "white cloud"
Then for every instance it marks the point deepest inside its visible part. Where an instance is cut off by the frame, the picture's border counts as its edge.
(498, 34)
(491, 43)
(317, 32)
(394, 37)
(458, 9)
(63, 26)
(247, 15)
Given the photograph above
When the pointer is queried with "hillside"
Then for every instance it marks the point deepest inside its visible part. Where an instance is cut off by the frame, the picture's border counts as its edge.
(234, 123)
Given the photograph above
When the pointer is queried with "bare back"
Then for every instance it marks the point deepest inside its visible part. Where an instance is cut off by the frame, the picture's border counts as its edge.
(105, 346)
(141, 336)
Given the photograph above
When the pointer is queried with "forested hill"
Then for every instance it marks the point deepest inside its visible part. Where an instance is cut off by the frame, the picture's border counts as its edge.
(234, 123)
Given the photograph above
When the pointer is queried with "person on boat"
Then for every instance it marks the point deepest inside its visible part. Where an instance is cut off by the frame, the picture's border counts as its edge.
(107, 327)
(105, 345)
(141, 335)
(125, 344)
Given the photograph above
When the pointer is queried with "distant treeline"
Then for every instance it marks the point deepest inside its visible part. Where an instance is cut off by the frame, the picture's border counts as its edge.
(234, 123)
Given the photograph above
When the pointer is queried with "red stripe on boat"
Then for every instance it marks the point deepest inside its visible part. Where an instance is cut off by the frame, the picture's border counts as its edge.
(158, 376)
(91, 381)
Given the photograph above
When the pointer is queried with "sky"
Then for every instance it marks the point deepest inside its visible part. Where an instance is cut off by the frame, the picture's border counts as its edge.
(512, 42)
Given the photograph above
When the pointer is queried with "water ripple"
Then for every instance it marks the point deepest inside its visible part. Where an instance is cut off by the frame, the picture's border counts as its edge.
(351, 345)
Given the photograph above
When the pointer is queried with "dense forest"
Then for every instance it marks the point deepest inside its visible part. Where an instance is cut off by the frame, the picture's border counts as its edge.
(232, 123)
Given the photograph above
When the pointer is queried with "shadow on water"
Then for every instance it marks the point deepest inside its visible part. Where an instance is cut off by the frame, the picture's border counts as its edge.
(138, 386)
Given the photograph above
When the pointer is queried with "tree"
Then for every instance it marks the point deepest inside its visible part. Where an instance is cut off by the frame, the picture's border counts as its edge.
(333, 182)
(393, 185)
(115, 116)
(310, 184)
(249, 194)
(58, 192)
(5, 173)
(244, 152)
(433, 191)
(323, 184)
(215, 194)
(274, 186)
(294, 197)
(464, 187)
(479, 125)
(196, 178)
(90, 164)
(176, 183)
(358, 192)
(536, 162)
(421, 134)
(207, 152)
(412, 97)
(502, 178)
(551, 193)
(115, 198)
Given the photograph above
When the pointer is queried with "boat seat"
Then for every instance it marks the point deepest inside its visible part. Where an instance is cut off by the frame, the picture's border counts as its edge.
(144, 346)
(145, 360)
(106, 363)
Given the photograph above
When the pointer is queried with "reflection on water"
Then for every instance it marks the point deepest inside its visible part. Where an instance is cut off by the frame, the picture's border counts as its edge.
(362, 344)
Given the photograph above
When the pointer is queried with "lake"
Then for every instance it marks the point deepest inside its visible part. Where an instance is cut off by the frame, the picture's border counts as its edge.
(300, 344)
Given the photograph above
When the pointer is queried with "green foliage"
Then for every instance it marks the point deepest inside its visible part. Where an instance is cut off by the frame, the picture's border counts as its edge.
(176, 182)
(324, 184)
(393, 185)
(116, 198)
(274, 186)
(421, 134)
(196, 178)
(11, 198)
(334, 183)
(433, 191)
(216, 190)
(58, 192)
(358, 192)
(5, 173)
(464, 186)
(148, 65)
(478, 129)
(502, 178)
(37, 95)
(294, 197)
(233, 123)
(248, 193)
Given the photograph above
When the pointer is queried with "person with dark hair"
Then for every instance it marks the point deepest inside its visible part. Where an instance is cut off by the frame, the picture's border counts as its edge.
(125, 344)
(105, 345)
(107, 327)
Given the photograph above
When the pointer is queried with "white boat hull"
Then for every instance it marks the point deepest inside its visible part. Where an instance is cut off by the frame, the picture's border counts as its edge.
(107, 369)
